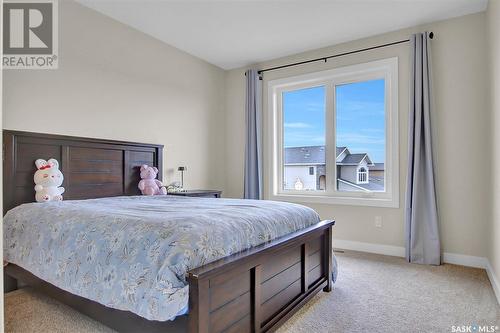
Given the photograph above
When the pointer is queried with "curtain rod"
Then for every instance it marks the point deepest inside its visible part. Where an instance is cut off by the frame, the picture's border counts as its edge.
(325, 59)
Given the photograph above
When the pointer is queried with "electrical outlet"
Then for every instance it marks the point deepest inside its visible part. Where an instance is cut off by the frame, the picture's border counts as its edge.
(378, 221)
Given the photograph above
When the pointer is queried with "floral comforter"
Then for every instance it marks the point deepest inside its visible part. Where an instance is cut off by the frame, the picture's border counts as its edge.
(132, 253)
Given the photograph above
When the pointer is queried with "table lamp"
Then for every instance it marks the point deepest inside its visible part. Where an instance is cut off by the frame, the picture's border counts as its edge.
(182, 169)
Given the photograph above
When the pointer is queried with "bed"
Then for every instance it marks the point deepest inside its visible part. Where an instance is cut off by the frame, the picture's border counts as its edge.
(223, 265)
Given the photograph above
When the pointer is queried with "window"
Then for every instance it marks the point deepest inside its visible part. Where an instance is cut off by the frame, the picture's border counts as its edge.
(303, 136)
(360, 129)
(333, 136)
(362, 176)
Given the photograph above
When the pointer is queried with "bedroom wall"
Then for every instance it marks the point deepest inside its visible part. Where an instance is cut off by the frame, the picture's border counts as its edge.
(494, 62)
(461, 124)
(118, 83)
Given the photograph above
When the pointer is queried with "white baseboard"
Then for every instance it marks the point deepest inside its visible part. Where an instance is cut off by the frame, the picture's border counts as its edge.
(465, 260)
(495, 282)
(399, 251)
(388, 250)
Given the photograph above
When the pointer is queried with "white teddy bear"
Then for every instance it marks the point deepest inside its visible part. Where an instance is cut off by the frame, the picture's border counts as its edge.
(48, 178)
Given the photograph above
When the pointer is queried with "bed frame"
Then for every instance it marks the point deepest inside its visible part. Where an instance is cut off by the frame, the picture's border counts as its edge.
(252, 291)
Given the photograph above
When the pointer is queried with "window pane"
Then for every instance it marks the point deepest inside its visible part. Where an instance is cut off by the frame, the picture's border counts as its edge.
(304, 139)
(360, 136)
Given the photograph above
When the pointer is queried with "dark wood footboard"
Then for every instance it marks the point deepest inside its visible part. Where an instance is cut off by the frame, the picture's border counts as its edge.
(252, 291)
(257, 290)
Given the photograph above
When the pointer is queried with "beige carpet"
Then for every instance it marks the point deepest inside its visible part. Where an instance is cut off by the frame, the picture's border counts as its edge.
(373, 294)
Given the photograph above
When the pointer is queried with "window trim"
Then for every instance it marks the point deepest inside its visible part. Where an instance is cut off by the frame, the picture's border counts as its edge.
(387, 69)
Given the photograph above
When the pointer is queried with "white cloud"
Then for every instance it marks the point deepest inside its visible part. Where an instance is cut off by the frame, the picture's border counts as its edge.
(297, 125)
(354, 110)
(379, 131)
(370, 107)
(315, 106)
(303, 139)
(356, 138)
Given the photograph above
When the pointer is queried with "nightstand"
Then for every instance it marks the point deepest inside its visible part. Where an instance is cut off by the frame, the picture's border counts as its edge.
(199, 193)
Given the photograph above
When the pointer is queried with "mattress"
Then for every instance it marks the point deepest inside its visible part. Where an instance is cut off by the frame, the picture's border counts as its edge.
(133, 253)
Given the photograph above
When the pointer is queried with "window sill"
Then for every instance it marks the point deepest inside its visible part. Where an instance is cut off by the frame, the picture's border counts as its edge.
(324, 199)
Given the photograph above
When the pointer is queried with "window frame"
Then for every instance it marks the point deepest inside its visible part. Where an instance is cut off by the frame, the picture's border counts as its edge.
(386, 69)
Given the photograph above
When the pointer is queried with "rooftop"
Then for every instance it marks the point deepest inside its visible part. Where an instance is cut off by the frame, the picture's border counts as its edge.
(377, 167)
(305, 155)
(355, 159)
(314, 155)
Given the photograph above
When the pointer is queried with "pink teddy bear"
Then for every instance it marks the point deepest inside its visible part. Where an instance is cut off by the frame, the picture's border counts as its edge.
(149, 185)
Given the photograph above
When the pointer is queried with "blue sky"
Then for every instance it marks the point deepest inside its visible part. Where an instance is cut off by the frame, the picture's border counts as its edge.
(360, 117)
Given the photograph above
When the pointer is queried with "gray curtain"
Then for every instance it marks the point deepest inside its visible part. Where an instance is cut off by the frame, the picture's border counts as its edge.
(421, 216)
(253, 138)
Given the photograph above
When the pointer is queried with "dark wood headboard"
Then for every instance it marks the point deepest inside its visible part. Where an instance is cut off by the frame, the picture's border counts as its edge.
(92, 168)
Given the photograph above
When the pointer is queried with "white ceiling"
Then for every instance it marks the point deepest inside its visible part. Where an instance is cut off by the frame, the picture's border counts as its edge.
(236, 33)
